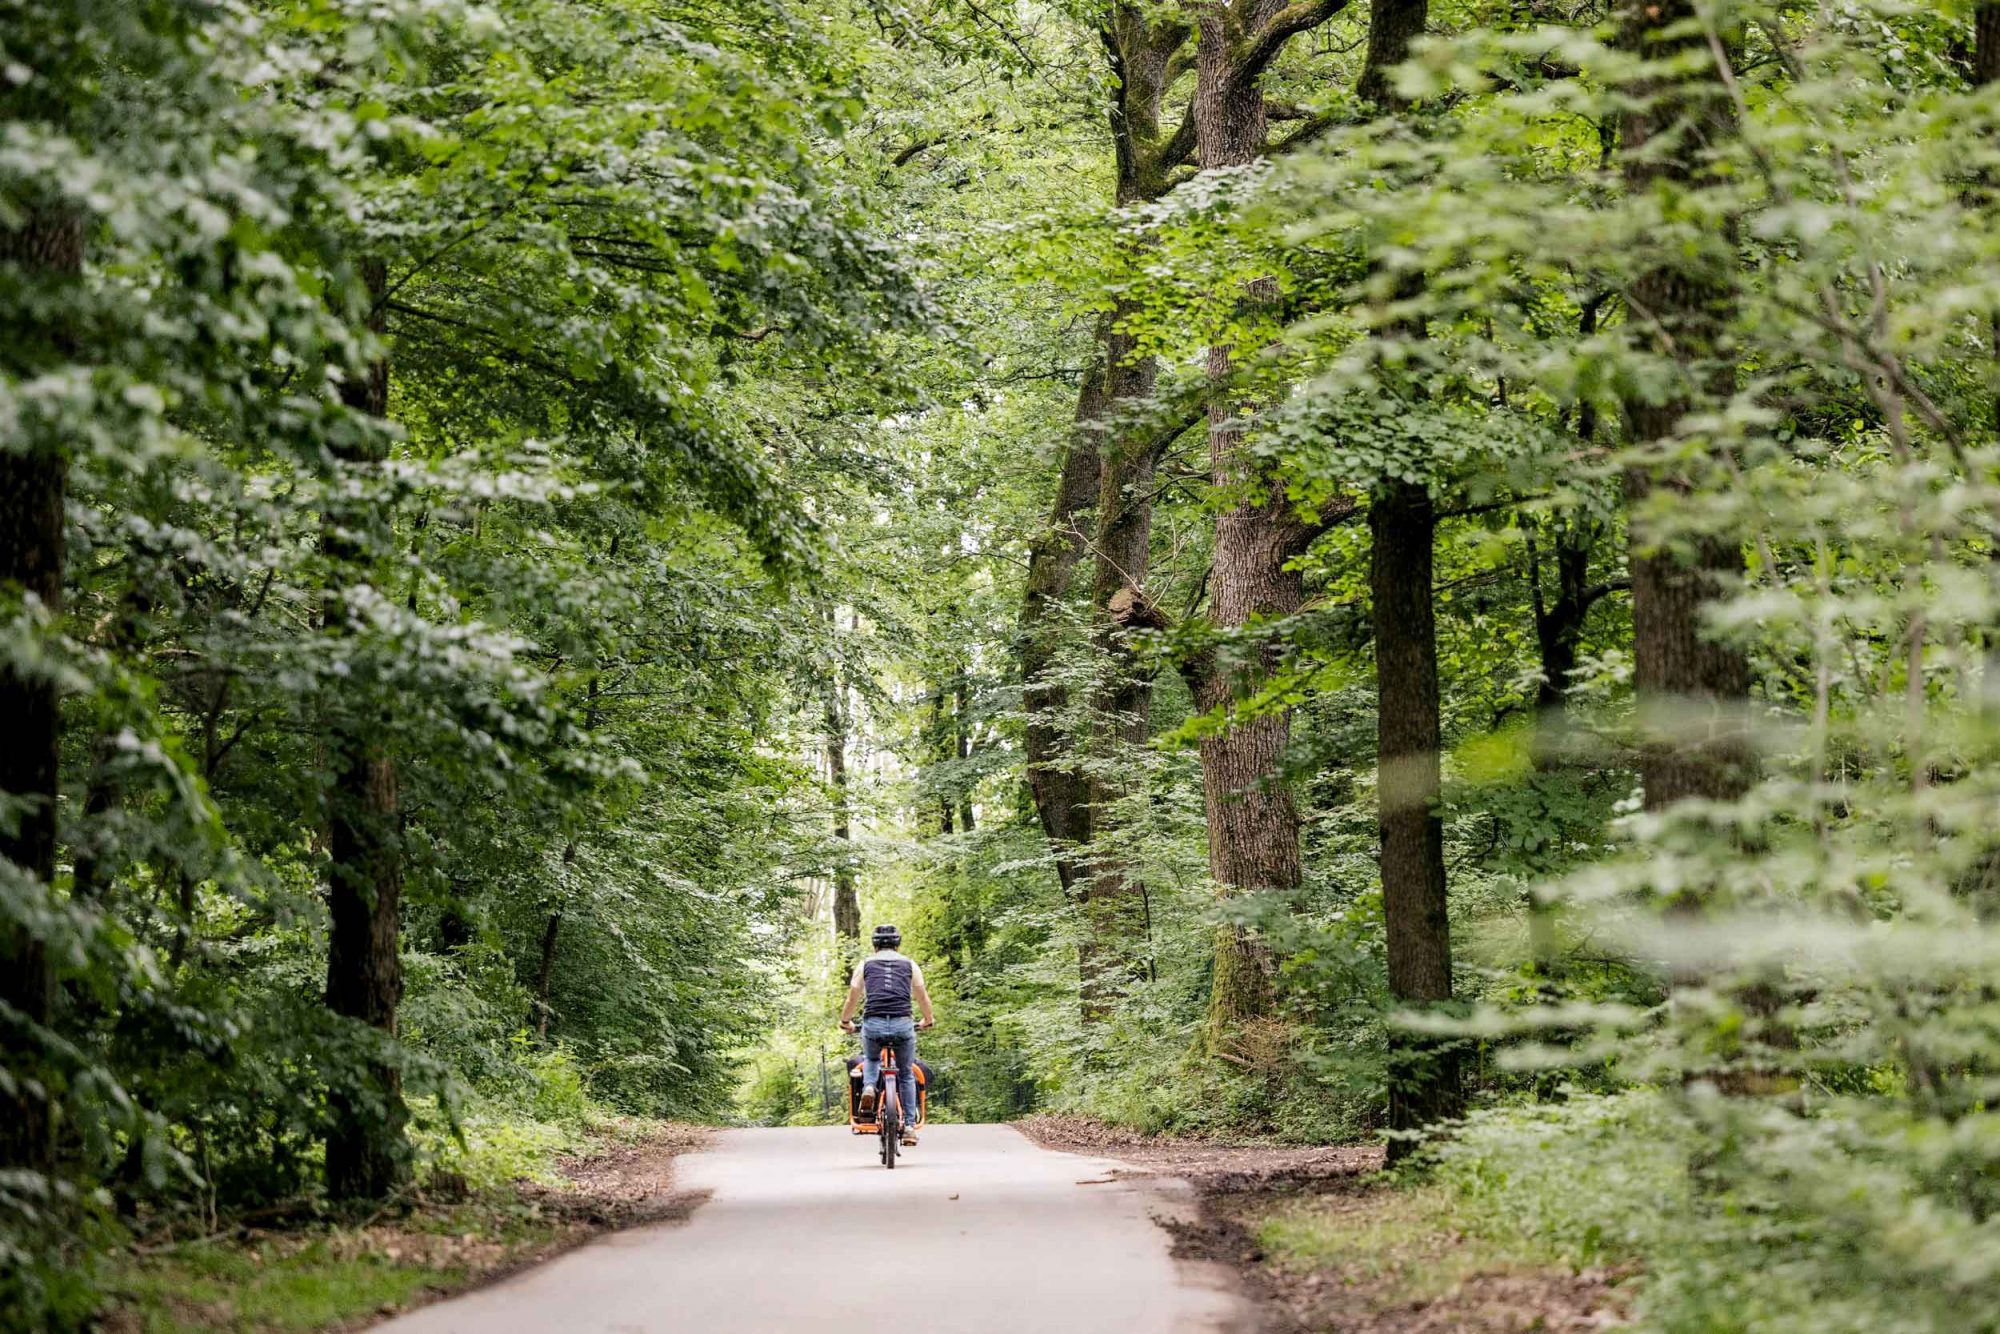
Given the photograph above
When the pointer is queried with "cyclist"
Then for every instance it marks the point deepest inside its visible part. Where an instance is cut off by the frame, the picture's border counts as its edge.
(888, 981)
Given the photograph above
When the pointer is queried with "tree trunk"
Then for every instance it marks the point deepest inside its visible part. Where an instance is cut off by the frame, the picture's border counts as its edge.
(1559, 622)
(1253, 828)
(1113, 896)
(367, 1151)
(545, 971)
(1392, 26)
(47, 249)
(1140, 47)
(1691, 689)
(941, 748)
(1424, 1075)
(1559, 625)
(846, 904)
(1060, 794)
(1424, 1081)
(962, 728)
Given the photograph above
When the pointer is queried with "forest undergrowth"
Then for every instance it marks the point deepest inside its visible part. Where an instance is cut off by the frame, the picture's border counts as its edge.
(288, 1271)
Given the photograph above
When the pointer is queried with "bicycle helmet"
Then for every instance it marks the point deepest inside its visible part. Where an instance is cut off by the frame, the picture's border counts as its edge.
(888, 936)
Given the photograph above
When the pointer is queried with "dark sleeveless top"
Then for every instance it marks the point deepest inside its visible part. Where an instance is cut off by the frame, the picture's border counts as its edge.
(887, 984)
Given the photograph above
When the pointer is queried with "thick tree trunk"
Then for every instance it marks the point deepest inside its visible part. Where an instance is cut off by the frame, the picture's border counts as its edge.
(47, 250)
(846, 904)
(1141, 48)
(1061, 795)
(367, 1151)
(1102, 463)
(1253, 827)
(1392, 26)
(1691, 688)
(1424, 1077)
(1113, 895)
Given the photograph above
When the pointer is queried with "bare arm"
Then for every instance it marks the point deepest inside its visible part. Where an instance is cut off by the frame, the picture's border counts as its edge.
(923, 996)
(853, 1000)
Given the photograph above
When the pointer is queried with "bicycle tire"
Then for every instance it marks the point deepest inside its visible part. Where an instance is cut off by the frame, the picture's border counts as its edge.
(892, 1130)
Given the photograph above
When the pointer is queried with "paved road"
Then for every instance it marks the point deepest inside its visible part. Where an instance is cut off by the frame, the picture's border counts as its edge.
(978, 1230)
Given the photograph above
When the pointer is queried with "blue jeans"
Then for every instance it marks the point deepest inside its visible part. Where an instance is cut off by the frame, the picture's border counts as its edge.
(900, 1036)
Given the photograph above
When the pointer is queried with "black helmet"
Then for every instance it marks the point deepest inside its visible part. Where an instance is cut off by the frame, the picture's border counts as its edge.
(887, 935)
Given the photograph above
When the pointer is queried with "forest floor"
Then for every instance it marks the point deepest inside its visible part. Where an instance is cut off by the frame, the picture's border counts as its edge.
(331, 1274)
(1328, 1244)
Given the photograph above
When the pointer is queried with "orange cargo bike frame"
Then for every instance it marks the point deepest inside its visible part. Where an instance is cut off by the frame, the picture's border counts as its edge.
(888, 1098)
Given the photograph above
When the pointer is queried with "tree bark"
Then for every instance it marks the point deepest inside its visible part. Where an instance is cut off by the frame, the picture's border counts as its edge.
(1060, 794)
(846, 903)
(1142, 49)
(1113, 895)
(1108, 469)
(1559, 622)
(1253, 827)
(1424, 1083)
(47, 250)
(1392, 26)
(545, 970)
(1691, 688)
(962, 731)
(367, 1150)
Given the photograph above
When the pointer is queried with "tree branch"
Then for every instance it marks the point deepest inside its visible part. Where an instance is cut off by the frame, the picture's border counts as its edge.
(1263, 48)
(1592, 594)
(912, 150)
(1181, 147)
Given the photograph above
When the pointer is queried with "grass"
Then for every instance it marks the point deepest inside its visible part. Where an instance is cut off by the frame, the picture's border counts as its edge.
(323, 1277)
(209, 1288)
(333, 1274)
(1400, 1241)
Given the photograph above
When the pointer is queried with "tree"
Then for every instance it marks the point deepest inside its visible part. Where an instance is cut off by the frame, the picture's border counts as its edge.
(846, 905)
(41, 256)
(1424, 1081)
(1693, 685)
(1102, 505)
(367, 1151)
(1253, 826)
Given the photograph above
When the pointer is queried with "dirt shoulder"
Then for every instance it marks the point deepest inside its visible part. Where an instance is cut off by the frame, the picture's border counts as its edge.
(1324, 1243)
(322, 1275)
(1213, 1165)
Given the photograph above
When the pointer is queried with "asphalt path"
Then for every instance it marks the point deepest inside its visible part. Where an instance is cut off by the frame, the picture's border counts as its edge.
(976, 1231)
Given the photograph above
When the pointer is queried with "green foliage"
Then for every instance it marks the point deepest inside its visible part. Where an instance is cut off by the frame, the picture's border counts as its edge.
(733, 354)
(617, 256)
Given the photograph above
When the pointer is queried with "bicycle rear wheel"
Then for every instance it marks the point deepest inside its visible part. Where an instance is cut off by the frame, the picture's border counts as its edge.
(892, 1130)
